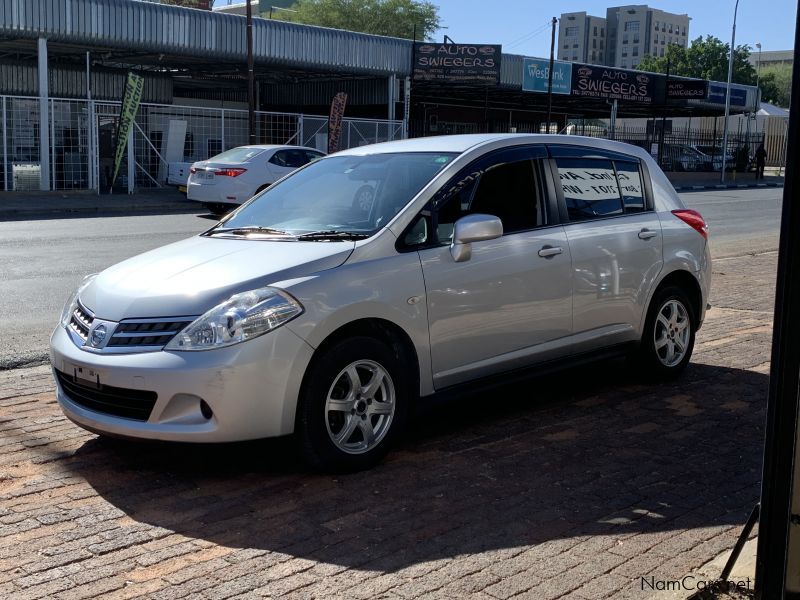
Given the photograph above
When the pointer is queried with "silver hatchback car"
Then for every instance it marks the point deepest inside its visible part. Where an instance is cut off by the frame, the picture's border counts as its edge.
(325, 305)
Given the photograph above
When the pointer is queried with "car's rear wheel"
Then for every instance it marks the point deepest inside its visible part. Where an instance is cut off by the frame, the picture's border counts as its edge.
(353, 404)
(668, 338)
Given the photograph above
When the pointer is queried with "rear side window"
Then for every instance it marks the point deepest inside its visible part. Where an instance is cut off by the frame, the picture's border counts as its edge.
(289, 158)
(630, 185)
(590, 188)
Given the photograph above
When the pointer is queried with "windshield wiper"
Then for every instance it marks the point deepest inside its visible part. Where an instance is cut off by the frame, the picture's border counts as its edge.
(332, 235)
(249, 229)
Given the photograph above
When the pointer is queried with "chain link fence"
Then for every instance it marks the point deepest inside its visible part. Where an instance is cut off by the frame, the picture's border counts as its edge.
(82, 138)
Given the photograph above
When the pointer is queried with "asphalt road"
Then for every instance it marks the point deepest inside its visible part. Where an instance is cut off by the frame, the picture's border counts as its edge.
(44, 260)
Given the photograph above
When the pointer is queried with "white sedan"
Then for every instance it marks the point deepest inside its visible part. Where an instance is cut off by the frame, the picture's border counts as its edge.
(226, 180)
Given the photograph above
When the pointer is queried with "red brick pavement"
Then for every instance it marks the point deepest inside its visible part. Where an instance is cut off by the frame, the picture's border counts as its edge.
(574, 485)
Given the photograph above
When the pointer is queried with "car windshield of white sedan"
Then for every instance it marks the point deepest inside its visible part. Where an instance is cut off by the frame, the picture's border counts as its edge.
(341, 197)
(237, 155)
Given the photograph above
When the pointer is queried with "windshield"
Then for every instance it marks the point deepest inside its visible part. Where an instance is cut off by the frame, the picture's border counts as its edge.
(356, 194)
(236, 155)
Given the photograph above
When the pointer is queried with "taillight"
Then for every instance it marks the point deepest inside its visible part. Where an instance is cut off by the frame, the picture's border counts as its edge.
(693, 219)
(193, 170)
(229, 172)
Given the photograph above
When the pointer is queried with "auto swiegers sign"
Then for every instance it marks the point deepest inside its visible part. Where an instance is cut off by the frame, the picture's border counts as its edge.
(466, 63)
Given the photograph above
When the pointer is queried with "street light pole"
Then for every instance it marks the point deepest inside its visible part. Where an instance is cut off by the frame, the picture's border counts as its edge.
(728, 96)
(550, 74)
(758, 71)
(251, 78)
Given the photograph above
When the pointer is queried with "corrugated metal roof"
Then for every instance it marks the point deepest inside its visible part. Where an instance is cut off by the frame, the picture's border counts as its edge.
(160, 28)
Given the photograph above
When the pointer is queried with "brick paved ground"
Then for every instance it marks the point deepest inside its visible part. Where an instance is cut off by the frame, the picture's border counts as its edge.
(574, 486)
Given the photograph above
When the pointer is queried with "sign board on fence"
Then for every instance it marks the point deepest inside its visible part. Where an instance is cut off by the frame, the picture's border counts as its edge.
(134, 86)
(457, 63)
(687, 89)
(591, 81)
(535, 74)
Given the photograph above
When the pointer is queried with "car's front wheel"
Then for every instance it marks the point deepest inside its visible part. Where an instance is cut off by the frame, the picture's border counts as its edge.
(353, 404)
(668, 338)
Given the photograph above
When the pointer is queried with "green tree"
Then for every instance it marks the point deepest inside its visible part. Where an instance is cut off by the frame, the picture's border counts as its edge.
(395, 18)
(705, 58)
(776, 83)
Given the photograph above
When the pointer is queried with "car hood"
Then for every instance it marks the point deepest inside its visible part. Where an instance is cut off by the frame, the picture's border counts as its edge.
(190, 277)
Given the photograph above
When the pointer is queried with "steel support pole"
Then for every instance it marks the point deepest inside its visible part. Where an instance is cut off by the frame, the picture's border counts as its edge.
(728, 95)
(131, 163)
(44, 121)
(550, 74)
(5, 147)
(392, 89)
(251, 78)
(777, 572)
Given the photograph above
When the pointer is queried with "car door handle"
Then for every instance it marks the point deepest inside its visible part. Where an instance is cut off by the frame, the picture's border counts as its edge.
(646, 234)
(549, 251)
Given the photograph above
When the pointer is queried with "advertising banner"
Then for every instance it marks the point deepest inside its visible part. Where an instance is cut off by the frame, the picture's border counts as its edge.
(457, 63)
(130, 106)
(535, 73)
(592, 81)
(335, 121)
(716, 94)
(687, 89)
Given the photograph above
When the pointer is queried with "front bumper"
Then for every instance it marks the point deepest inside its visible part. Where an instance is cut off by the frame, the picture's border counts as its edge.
(251, 388)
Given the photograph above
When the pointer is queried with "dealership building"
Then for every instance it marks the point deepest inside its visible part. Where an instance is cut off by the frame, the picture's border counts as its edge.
(64, 65)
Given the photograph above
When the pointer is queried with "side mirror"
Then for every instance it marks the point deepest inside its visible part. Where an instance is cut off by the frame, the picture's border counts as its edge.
(473, 228)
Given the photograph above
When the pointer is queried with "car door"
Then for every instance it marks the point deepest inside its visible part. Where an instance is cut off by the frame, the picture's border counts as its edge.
(615, 241)
(510, 303)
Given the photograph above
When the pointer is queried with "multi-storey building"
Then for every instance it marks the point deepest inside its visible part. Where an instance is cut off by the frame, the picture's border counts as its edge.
(622, 38)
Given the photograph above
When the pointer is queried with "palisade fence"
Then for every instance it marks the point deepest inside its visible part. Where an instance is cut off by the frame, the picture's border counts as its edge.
(82, 140)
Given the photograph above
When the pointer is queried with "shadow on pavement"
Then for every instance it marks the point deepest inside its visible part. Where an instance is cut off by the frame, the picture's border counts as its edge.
(582, 453)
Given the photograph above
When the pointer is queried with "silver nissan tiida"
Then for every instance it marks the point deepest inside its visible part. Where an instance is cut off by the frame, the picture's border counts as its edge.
(329, 302)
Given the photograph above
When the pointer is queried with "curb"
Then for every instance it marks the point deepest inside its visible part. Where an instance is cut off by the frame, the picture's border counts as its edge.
(17, 213)
(725, 186)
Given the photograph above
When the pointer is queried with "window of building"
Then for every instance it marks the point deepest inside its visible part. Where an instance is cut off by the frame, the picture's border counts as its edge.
(572, 31)
(624, 52)
(662, 52)
(595, 30)
(632, 26)
(575, 57)
(602, 31)
(635, 51)
(625, 39)
(566, 46)
(594, 55)
(594, 42)
(670, 39)
(574, 45)
(623, 63)
(683, 31)
(634, 64)
(635, 38)
(656, 26)
(590, 187)
(670, 27)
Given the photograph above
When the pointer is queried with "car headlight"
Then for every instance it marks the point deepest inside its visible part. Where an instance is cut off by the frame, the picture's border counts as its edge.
(72, 303)
(241, 317)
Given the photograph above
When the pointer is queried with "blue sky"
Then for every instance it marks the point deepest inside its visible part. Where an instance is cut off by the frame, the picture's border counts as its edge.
(511, 22)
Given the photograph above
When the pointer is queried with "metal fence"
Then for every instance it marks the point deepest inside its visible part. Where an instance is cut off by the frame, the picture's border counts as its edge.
(82, 137)
(687, 149)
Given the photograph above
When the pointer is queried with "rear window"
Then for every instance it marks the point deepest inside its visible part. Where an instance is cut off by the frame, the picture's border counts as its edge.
(237, 155)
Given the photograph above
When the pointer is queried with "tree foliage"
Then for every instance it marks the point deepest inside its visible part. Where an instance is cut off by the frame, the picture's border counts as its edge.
(705, 58)
(776, 83)
(395, 18)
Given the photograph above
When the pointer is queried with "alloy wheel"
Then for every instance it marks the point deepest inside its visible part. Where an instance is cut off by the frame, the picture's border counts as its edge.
(672, 333)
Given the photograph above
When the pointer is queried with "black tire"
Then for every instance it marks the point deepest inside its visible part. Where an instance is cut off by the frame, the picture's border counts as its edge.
(654, 361)
(218, 209)
(315, 426)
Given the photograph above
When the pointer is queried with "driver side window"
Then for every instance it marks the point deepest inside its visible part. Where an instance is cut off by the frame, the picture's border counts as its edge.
(507, 190)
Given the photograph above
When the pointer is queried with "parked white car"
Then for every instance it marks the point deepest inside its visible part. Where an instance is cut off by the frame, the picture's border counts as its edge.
(226, 180)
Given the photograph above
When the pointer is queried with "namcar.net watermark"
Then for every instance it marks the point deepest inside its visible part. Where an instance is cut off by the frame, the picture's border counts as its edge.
(691, 583)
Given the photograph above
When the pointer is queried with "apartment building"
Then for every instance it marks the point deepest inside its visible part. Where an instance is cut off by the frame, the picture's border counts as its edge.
(622, 38)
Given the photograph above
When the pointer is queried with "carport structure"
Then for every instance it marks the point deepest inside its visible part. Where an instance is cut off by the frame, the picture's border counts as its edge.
(66, 56)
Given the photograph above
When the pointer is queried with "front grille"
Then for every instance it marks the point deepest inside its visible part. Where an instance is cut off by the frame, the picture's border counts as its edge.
(139, 333)
(120, 402)
(81, 322)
